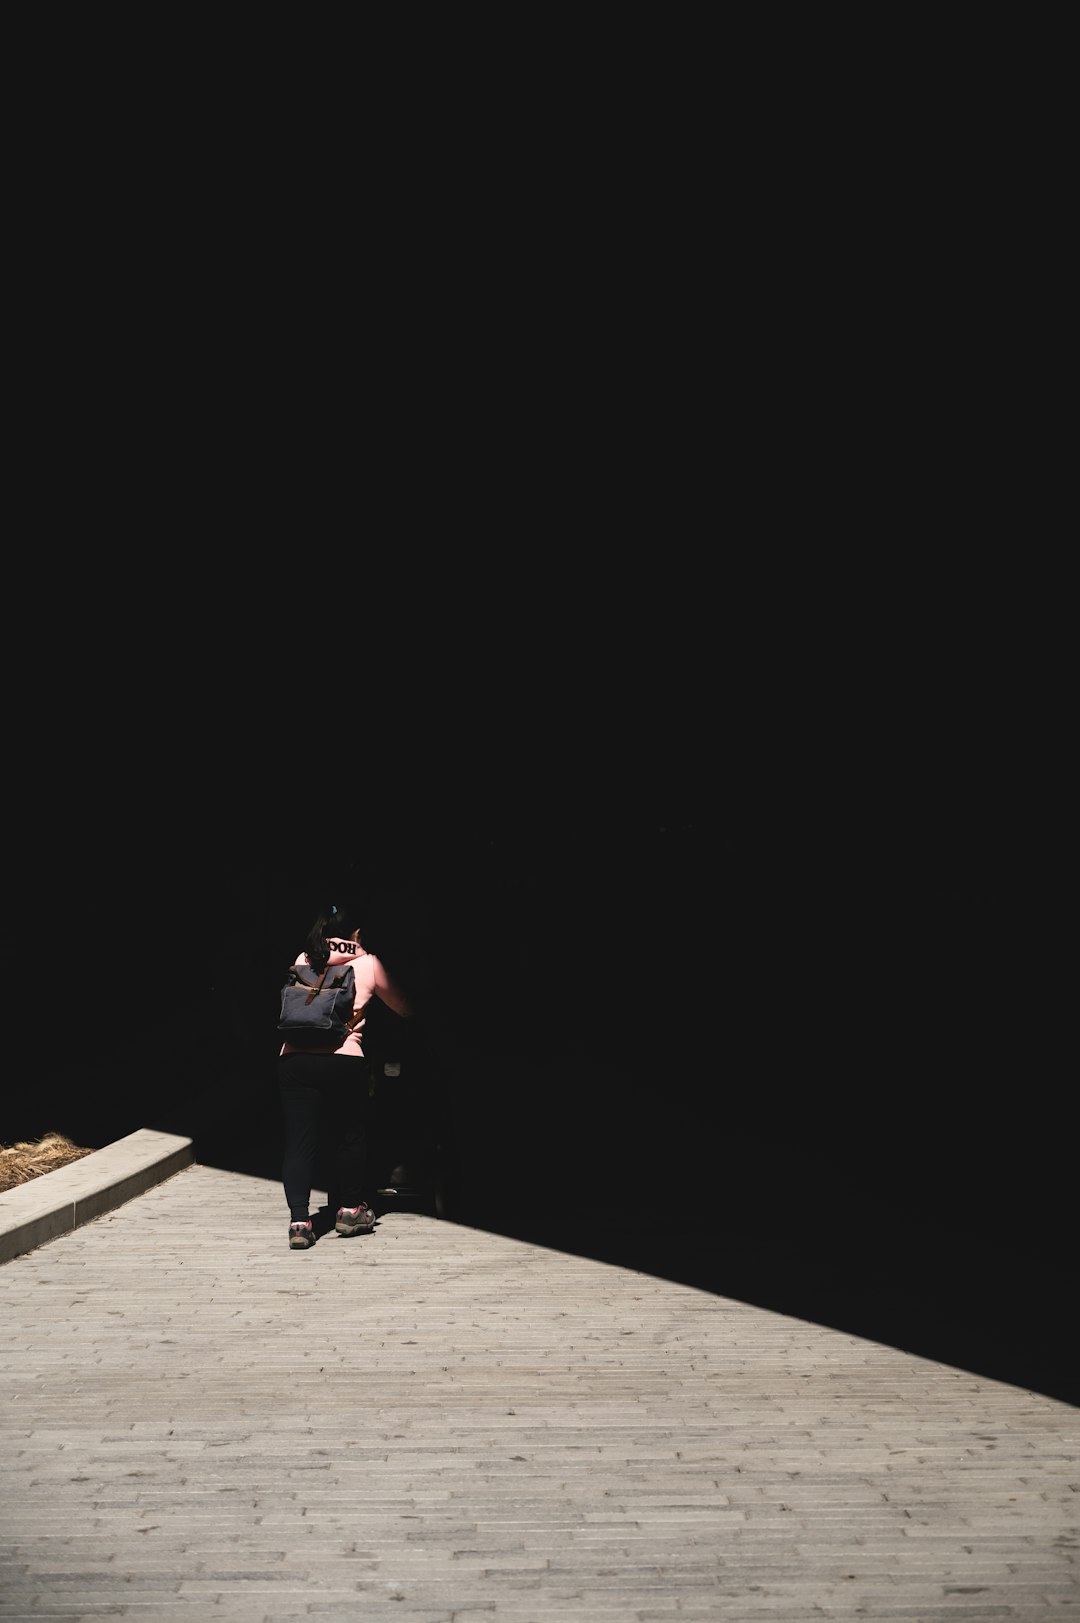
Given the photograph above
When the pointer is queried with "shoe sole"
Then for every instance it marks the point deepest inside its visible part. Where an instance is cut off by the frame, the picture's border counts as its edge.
(347, 1230)
(301, 1245)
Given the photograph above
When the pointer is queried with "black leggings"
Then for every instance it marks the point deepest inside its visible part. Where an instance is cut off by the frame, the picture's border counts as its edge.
(324, 1105)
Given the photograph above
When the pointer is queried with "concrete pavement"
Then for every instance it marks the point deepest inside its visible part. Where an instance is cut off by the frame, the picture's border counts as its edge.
(438, 1424)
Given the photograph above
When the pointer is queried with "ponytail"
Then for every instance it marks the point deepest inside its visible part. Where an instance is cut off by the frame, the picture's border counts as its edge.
(332, 921)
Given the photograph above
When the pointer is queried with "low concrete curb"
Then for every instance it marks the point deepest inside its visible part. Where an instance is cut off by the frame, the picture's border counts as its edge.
(62, 1200)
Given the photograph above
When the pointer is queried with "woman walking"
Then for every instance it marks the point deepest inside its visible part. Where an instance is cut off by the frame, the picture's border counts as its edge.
(324, 1095)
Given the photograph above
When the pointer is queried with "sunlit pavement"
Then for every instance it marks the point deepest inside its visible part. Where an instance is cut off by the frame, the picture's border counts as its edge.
(444, 1424)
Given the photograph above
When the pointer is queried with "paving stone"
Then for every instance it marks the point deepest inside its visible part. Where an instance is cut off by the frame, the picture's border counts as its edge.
(436, 1424)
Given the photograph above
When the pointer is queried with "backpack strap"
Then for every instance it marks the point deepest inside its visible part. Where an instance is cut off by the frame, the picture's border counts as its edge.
(316, 989)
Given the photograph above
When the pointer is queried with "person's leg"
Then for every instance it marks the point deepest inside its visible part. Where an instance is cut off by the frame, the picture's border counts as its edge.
(347, 1118)
(301, 1109)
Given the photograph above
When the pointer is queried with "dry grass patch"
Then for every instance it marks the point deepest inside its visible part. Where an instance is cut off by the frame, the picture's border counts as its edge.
(30, 1158)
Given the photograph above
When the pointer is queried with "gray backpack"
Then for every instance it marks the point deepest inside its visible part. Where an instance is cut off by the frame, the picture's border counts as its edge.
(317, 1010)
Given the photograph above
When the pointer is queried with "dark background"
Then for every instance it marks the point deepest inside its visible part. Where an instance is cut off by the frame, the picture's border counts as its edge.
(606, 530)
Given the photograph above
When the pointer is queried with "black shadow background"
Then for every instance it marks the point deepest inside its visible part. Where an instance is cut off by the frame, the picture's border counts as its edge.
(621, 599)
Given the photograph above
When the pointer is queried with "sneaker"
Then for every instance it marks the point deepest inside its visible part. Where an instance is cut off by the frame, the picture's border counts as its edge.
(355, 1219)
(301, 1235)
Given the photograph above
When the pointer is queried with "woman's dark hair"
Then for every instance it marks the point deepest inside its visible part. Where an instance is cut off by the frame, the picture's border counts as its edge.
(336, 919)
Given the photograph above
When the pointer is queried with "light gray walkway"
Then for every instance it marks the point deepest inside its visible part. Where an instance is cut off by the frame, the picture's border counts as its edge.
(434, 1424)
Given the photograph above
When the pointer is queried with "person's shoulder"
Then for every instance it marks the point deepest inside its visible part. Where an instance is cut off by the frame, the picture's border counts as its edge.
(370, 965)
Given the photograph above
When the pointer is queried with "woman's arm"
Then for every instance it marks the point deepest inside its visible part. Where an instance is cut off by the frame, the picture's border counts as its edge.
(390, 993)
